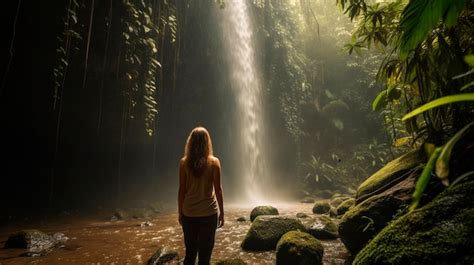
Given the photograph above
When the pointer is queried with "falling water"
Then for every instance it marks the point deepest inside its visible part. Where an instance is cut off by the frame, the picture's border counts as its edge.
(240, 49)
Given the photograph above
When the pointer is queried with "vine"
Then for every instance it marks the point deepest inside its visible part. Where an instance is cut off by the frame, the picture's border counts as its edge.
(141, 36)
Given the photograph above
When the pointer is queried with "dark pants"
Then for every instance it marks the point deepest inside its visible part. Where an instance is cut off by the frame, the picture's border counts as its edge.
(199, 233)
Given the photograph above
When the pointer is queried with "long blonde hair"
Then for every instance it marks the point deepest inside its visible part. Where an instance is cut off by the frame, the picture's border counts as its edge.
(197, 150)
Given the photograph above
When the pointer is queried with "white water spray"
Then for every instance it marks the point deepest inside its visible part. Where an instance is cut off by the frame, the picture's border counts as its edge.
(240, 49)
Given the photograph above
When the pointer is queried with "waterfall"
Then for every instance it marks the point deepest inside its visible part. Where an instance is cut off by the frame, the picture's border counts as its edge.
(240, 48)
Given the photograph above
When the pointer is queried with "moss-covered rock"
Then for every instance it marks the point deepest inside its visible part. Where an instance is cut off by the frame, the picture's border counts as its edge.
(333, 213)
(321, 207)
(299, 248)
(266, 230)
(321, 227)
(345, 206)
(441, 232)
(336, 201)
(263, 210)
(235, 261)
(389, 175)
(363, 221)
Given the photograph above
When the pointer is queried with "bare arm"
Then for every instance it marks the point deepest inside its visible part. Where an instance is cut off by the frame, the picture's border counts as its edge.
(218, 191)
(182, 189)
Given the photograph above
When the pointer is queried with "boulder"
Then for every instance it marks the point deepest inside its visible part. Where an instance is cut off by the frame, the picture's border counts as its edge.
(266, 230)
(392, 173)
(345, 206)
(321, 207)
(34, 241)
(363, 221)
(441, 232)
(321, 227)
(298, 248)
(262, 210)
(164, 256)
(236, 261)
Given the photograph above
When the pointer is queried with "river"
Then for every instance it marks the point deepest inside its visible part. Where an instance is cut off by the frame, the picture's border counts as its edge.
(97, 240)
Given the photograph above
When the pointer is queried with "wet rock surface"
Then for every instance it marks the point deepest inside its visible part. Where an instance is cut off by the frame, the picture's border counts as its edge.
(35, 242)
(392, 173)
(345, 206)
(321, 207)
(263, 210)
(296, 247)
(363, 221)
(164, 256)
(321, 227)
(267, 230)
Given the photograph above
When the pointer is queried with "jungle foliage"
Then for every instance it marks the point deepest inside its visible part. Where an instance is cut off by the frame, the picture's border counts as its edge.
(428, 67)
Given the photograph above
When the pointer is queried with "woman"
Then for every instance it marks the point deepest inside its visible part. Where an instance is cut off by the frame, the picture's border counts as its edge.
(200, 193)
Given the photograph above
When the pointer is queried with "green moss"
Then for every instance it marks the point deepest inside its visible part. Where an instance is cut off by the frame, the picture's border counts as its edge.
(345, 206)
(263, 210)
(296, 247)
(439, 233)
(321, 207)
(363, 221)
(389, 173)
(265, 231)
(336, 201)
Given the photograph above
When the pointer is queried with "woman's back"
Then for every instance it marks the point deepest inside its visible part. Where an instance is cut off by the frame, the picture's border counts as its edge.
(199, 199)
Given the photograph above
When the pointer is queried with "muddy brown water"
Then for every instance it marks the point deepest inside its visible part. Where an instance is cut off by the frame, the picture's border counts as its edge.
(95, 240)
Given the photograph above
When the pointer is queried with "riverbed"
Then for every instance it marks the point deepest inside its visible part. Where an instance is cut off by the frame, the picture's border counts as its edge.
(100, 240)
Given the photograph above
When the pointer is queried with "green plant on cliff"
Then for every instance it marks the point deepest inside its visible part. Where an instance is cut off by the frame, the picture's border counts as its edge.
(424, 42)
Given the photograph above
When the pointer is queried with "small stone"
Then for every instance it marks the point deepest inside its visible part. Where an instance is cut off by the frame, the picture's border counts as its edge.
(241, 219)
(145, 224)
(321, 207)
(164, 256)
(33, 240)
(302, 215)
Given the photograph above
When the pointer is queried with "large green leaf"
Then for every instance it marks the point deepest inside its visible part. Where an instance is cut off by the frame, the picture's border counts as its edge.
(424, 178)
(380, 101)
(420, 17)
(439, 102)
(384, 97)
(469, 59)
(442, 163)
